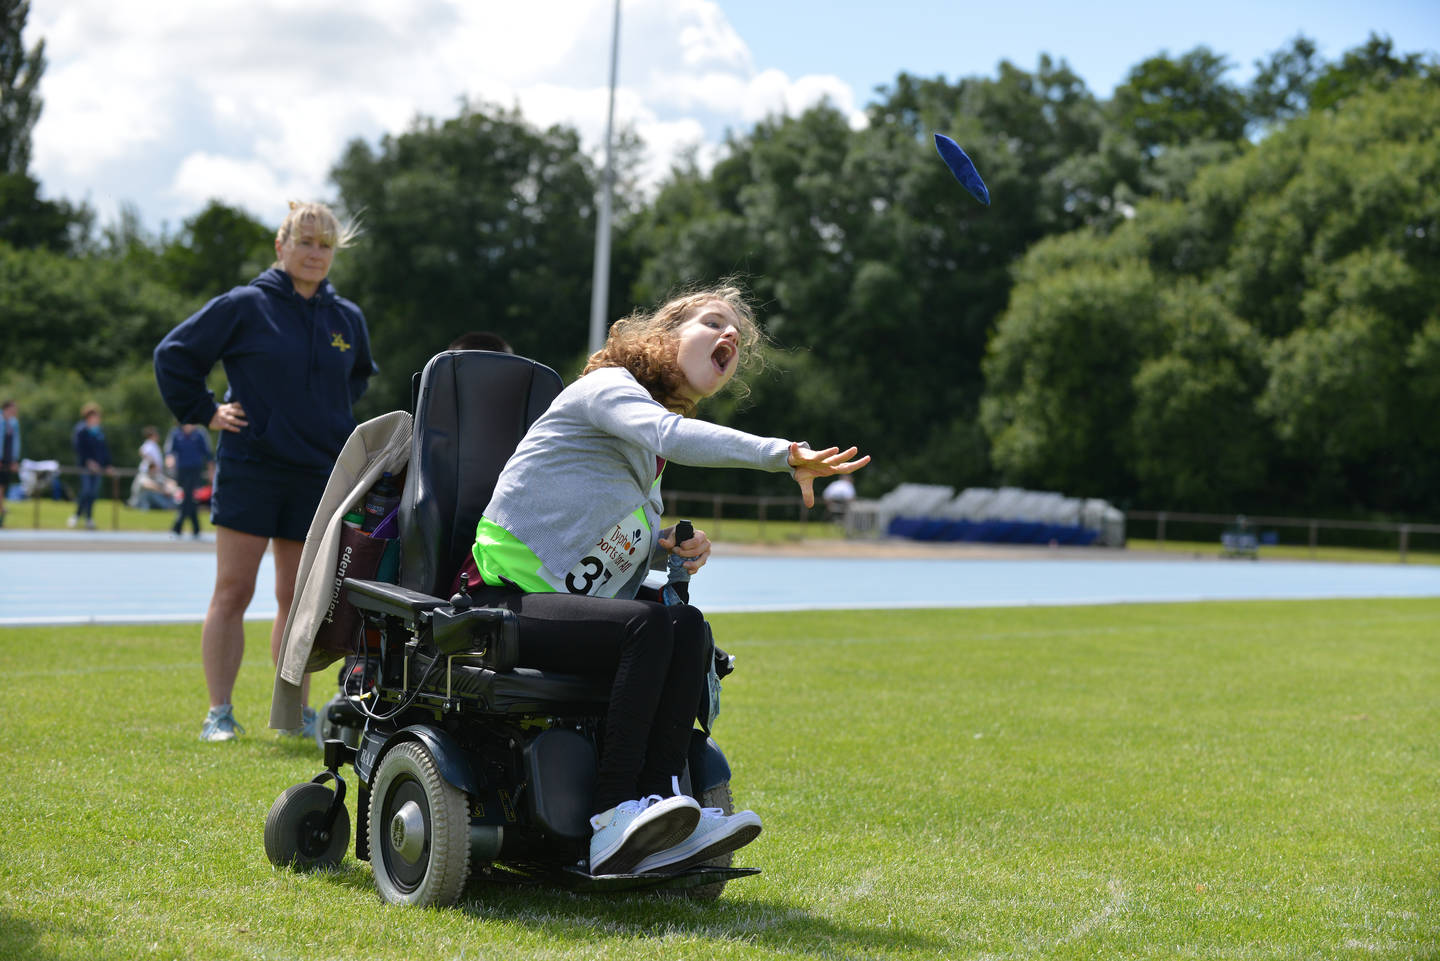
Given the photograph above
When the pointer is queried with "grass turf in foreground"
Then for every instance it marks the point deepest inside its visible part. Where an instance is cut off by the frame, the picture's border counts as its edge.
(1243, 780)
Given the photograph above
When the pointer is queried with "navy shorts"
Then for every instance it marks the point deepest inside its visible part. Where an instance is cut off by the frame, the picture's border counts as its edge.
(265, 501)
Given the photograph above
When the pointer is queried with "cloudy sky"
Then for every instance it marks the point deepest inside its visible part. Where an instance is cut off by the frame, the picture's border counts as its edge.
(164, 105)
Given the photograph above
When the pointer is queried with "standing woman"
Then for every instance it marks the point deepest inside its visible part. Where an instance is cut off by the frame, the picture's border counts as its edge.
(297, 356)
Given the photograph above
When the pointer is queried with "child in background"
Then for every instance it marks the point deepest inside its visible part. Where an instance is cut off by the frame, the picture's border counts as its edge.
(92, 455)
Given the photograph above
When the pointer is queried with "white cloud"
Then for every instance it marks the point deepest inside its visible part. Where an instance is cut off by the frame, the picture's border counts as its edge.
(244, 183)
(252, 101)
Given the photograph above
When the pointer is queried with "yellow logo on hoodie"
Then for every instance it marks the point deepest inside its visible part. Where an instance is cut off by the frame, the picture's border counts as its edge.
(337, 341)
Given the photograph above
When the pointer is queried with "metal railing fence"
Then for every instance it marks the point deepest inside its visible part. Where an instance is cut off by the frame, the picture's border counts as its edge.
(1402, 536)
(110, 490)
(716, 508)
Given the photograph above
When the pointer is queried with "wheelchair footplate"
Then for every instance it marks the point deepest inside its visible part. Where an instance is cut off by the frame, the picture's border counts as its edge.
(575, 878)
(578, 879)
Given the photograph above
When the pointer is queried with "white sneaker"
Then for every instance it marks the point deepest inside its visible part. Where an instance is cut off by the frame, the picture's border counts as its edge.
(633, 830)
(716, 834)
(71, 521)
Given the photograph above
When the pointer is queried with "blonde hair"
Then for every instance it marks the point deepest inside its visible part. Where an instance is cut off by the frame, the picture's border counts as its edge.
(321, 220)
(645, 344)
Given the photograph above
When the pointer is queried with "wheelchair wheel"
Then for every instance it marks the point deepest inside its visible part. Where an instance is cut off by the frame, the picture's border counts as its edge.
(296, 831)
(419, 830)
(717, 797)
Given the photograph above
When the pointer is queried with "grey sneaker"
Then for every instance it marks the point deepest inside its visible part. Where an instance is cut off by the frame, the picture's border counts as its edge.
(309, 723)
(716, 834)
(220, 724)
(632, 831)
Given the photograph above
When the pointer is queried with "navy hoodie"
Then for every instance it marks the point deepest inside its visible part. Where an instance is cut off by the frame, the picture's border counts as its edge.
(295, 365)
(89, 445)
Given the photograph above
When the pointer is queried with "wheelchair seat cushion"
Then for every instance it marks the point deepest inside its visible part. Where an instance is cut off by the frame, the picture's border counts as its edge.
(522, 690)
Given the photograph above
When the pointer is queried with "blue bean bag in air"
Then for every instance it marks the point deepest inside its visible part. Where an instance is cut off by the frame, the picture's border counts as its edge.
(962, 167)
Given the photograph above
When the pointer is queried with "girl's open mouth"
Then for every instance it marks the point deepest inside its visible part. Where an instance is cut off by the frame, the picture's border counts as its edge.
(722, 356)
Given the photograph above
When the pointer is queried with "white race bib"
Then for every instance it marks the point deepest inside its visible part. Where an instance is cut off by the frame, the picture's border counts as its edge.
(610, 562)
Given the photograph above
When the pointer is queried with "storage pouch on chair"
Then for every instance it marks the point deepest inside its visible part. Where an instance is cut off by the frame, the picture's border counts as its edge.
(709, 707)
(360, 557)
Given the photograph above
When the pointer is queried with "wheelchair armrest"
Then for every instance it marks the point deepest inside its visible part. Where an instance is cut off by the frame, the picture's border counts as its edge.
(391, 599)
(490, 631)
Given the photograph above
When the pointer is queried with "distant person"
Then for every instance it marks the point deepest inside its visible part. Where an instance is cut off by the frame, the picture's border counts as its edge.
(187, 455)
(297, 357)
(838, 495)
(92, 456)
(152, 488)
(481, 340)
(9, 450)
(152, 458)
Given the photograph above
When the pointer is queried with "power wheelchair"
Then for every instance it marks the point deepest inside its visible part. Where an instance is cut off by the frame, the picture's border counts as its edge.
(469, 767)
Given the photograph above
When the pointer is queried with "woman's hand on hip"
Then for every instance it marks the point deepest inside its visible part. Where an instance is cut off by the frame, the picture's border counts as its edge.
(229, 417)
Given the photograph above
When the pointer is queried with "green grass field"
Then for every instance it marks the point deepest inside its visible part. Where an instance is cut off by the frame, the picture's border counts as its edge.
(109, 515)
(1242, 780)
(113, 515)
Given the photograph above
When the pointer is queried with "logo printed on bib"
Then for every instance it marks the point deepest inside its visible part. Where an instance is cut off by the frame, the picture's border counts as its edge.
(612, 546)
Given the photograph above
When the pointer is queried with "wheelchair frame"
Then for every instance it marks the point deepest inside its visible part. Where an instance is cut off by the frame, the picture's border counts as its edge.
(469, 767)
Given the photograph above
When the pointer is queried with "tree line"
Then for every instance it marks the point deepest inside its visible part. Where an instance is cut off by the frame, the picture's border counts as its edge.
(1192, 295)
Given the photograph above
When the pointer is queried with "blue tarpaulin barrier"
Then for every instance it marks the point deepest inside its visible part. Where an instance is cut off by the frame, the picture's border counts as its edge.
(992, 531)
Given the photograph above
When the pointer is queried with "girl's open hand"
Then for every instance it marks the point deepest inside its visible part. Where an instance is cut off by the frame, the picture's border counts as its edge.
(810, 464)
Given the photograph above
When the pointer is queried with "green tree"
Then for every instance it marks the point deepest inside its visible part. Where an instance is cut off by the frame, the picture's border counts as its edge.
(1375, 65)
(1168, 103)
(870, 261)
(20, 71)
(219, 248)
(1196, 435)
(26, 220)
(1292, 328)
(89, 315)
(51, 397)
(1281, 88)
(481, 221)
(1060, 371)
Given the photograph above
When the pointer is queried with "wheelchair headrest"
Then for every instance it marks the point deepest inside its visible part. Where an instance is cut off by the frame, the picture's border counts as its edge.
(471, 410)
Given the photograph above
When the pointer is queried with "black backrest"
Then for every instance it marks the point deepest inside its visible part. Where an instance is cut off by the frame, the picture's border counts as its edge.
(471, 410)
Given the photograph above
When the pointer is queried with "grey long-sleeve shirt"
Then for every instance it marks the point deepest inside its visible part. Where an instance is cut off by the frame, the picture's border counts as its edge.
(591, 459)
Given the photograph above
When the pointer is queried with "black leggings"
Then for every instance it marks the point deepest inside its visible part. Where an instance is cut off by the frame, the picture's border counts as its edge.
(654, 657)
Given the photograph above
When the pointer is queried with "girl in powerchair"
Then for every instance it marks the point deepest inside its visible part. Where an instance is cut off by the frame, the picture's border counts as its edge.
(567, 538)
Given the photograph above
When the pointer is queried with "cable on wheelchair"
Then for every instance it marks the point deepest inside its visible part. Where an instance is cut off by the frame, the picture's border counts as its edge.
(357, 699)
(404, 705)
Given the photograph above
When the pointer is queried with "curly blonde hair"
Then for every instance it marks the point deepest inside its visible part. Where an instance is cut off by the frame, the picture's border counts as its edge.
(645, 344)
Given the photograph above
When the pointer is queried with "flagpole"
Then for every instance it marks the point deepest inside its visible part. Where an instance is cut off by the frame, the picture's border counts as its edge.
(600, 283)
